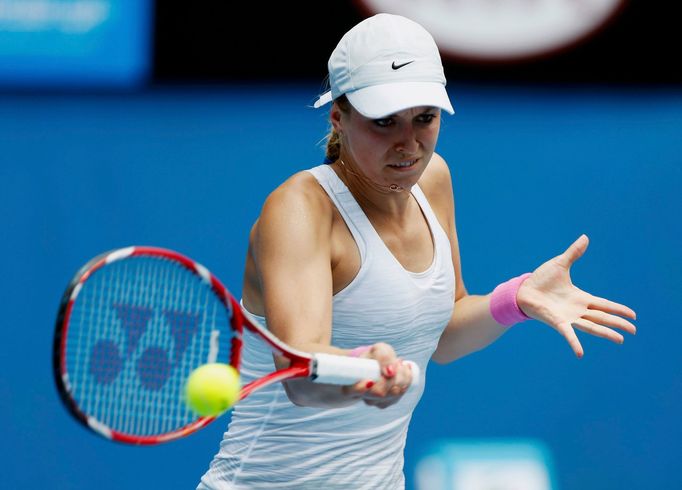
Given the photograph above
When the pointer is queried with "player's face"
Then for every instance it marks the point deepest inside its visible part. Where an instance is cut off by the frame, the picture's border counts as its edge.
(394, 149)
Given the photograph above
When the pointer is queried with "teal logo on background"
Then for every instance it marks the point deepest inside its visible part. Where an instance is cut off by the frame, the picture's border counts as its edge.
(80, 43)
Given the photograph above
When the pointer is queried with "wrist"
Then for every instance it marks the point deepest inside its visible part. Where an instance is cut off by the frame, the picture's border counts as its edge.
(504, 307)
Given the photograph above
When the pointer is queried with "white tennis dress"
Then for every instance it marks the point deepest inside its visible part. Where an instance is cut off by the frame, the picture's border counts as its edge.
(273, 444)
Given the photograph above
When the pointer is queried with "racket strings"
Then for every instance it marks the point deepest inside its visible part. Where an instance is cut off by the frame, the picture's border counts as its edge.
(139, 326)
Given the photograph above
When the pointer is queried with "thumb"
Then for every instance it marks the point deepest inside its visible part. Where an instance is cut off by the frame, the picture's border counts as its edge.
(574, 252)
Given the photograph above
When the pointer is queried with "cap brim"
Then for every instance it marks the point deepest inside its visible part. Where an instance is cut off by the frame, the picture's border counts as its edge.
(383, 100)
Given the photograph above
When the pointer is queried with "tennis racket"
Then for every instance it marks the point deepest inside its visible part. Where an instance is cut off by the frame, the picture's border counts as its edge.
(135, 322)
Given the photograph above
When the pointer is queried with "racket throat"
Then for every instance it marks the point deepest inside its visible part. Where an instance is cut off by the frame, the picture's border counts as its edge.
(292, 372)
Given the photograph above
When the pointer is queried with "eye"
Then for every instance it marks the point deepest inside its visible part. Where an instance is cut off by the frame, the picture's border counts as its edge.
(384, 122)
(425, 118)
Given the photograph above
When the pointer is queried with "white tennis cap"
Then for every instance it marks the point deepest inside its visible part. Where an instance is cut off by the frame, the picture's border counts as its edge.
(386, 64)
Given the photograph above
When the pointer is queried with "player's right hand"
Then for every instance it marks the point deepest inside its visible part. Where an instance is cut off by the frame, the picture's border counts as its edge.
(396, 377)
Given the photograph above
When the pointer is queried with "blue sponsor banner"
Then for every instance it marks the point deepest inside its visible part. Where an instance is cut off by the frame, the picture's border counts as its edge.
(75, 42)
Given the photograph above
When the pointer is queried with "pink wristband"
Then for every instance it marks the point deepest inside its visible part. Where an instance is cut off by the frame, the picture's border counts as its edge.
(503, 305)
(358, 351)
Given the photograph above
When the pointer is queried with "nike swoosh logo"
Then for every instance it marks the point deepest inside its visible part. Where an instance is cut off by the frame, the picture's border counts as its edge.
(398, 67)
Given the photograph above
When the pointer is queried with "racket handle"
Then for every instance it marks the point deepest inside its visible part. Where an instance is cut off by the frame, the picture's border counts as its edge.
(344, 370)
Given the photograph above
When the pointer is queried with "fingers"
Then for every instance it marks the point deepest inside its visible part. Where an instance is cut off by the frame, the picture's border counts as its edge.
(566, 329)
(383, 353)
(598, 330)
(594, 322)
(392, 367)
(608, 306)
(396, 377)
(613, 321)
(599, 324)
(359, 389)
(574, 252)
(402, 379)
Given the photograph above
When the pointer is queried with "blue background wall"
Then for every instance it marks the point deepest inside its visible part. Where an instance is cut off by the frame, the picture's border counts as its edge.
(533, 168)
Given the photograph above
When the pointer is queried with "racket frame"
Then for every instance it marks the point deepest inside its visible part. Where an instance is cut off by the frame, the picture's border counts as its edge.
(323, 368)
(302, 364)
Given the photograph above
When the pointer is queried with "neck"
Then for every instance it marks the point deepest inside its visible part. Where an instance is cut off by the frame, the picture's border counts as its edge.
(391, 197)
(384, 189)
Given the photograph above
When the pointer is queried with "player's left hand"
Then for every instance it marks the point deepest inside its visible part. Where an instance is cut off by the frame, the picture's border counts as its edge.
(549, 296)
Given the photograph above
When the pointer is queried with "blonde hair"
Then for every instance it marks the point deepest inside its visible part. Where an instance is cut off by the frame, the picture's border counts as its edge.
(333, 150)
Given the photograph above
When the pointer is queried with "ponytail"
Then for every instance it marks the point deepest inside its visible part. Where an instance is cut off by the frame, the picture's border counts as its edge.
(333, 151)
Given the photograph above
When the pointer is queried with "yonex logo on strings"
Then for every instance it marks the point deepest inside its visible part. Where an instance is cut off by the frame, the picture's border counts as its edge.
(153, 366)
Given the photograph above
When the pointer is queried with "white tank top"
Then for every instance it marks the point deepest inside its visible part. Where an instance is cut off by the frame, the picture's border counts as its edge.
(273, 444)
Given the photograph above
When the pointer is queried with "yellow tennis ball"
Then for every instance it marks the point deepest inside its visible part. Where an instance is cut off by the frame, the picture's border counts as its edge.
(212, 388)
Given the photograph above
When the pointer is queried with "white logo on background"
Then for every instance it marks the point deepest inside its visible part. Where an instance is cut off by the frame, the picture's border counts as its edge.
(502, 30)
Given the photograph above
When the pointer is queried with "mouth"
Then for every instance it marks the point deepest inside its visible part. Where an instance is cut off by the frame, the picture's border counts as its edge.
(404, 165)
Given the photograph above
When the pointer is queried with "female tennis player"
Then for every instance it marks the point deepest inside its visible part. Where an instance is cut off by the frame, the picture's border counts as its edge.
(360, 257)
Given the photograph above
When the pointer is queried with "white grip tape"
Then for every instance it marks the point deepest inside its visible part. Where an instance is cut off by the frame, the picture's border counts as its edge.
(345, 370)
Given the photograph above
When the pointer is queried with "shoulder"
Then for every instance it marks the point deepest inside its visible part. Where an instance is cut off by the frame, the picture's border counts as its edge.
(436, 178)
(436, 183)
(298, 201)
(301, 189)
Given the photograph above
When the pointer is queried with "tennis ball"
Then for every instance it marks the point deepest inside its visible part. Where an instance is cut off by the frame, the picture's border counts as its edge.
(212, 388)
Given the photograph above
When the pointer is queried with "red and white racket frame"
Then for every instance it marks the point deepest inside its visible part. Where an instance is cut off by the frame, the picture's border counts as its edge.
(323, 368)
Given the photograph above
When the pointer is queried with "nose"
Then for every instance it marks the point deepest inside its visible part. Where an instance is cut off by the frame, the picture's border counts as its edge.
(407, 144)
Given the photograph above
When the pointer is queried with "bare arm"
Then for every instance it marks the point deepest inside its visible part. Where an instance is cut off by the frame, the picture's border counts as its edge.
(291, 250)
(471, 327)
(548, 296)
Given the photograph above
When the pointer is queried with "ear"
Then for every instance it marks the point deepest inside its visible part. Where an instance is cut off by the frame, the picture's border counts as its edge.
(335, 117)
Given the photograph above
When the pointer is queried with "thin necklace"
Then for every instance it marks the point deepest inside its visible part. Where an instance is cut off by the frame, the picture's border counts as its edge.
(392, 187)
